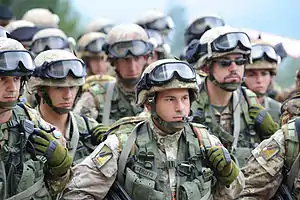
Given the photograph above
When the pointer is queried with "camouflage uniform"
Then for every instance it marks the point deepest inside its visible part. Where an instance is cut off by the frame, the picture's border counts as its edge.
(156, 176)
(111, 101)
(270, 163)
(233, 124)
(78, 128)
(25, 174)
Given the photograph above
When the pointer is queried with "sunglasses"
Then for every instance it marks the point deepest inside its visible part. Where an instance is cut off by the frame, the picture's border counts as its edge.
(228, 62)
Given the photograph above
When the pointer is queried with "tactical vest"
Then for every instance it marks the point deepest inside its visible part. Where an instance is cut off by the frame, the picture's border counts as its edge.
(112, 103)
(273, 108)
(247, 139)
(21, 174)
(145, 171)
(79, 144)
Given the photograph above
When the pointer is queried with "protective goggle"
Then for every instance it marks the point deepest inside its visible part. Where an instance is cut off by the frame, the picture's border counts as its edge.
(161, 24)
(133, 47)
(106, 29)
(48, 43)
(61, 69)
(16, 61)
(203, 24)
(264, 51)
(165, 73)
(94, 46)
(228, 62)
(155, 36)
(24, 34)
(231, 41)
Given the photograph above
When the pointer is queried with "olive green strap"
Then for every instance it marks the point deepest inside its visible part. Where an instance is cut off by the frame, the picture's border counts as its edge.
(236, 120)
(107, 102)
(29, 191)
(75, 135)
(125, 153)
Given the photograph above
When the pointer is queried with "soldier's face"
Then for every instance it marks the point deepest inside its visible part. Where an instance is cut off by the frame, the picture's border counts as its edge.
(10, 87)
(98, 65)
(62, 97)
(258, 80)
(132, 67)
(173, 104)
(228, 74)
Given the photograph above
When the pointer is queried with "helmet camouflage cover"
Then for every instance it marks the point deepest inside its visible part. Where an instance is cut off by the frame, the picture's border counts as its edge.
(290, 109)
(41, 17)
(173, 84)
(50, 56)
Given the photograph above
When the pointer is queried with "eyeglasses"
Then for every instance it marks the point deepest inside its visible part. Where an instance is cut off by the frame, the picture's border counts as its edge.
(228, 62)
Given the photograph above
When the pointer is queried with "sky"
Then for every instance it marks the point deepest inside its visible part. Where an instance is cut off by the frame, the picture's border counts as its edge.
(280, 17)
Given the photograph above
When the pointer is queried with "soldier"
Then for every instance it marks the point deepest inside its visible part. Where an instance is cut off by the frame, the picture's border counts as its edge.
(6, 15)
(89, 49)
(232, 113)
(260, 74)
(163, 157)
(42, 18)
(162, 50)
(22, 31)
(128, 48)
(56, 82)
(274, 164)
(33, 164)
(50, 38)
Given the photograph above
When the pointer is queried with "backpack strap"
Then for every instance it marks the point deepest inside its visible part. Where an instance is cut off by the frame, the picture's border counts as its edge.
(202, 135)
(292, 174)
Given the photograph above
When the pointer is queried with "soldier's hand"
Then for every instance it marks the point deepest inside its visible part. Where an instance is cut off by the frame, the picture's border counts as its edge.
(97, 134)
(58, 159)
(263, 122)
(220, 160)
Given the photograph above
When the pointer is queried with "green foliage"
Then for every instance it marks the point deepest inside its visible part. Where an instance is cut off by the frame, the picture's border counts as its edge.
(69, 18)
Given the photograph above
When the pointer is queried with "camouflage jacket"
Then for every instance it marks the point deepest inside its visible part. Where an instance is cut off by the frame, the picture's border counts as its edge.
(23, 175)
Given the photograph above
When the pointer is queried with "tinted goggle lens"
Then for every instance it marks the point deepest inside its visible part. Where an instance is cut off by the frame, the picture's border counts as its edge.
(123, 49)
(231, 41)
(12, 60)
(62, 68)
(162, 23)
(96, 45)
(203, 24)
(51, 42)
(259, 51)
(166, 72)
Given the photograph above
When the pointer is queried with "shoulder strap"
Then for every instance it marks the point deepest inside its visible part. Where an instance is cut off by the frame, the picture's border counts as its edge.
(236, 120)
(126, 151)
(202, 135)
(107, 103)
(86, 123)
(29, 191)
(296, 164)
(75, 136)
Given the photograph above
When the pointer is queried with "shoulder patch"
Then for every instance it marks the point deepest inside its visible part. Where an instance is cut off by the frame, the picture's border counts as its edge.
(270, 150)
(102, 157)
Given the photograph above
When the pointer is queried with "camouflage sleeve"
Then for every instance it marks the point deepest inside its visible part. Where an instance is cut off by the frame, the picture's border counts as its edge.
(86, 105)
(235, 188)
(56, 186)
(95, 175)
(263, 171)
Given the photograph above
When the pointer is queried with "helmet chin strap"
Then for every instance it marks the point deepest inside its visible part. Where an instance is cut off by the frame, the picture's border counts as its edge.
(168, 127)
(49, 102)
(6, 106)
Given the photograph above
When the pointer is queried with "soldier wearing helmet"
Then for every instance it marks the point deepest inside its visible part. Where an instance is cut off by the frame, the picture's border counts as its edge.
(36, 165)
(160, 147)
(50, 38)
(260, 74)
(6, 15)
(128, 48)
(272, 171)
(42, 18)
(231, 112)
(22, 31)
(56, 82)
